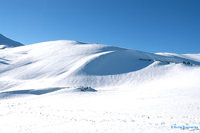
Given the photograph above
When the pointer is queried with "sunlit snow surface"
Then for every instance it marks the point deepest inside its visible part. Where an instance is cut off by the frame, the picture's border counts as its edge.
(135, 91)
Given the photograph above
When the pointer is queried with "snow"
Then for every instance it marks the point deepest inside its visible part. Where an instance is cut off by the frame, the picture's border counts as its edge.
(135, 91)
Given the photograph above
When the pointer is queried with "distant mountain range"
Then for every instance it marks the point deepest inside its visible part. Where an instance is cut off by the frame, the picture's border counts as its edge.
(6, 42)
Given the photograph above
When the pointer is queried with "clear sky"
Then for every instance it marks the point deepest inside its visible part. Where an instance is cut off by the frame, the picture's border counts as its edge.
(147, 25)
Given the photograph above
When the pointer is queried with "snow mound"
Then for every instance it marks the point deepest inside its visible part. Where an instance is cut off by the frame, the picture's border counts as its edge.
(71, 63)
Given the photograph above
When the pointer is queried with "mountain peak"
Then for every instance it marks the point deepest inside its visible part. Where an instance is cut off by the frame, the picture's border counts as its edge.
(6, 42)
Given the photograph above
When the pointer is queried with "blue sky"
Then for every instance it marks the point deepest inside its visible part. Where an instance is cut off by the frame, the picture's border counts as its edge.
(147, 25)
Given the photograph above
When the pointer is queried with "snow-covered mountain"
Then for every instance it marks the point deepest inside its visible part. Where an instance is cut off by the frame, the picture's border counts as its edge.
(6, 42)
(135, 91)
(72, 64)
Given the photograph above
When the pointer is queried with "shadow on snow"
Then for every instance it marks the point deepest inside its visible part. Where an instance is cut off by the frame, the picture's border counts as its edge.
(29, 92)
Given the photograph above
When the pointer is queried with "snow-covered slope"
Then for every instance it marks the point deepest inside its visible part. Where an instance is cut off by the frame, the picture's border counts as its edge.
(71, 64)
(6, 42)
(136, 91)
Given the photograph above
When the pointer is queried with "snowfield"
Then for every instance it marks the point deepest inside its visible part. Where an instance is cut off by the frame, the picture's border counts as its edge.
(131, 91)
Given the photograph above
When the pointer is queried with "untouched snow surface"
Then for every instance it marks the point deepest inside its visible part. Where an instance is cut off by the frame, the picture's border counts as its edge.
(135, 91)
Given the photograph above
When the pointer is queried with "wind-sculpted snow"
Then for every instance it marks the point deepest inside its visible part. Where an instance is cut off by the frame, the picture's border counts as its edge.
(74, 87)
(71, 63)
(115, 62)
(9, 94)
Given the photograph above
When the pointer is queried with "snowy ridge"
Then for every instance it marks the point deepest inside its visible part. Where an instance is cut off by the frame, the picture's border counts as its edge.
(132, 91)
(71, 63)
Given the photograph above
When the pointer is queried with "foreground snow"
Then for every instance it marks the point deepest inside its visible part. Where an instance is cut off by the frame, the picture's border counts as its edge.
(105, 111)
(135, 91)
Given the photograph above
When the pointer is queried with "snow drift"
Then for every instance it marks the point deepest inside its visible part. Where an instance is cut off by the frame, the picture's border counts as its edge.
(71, 63)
